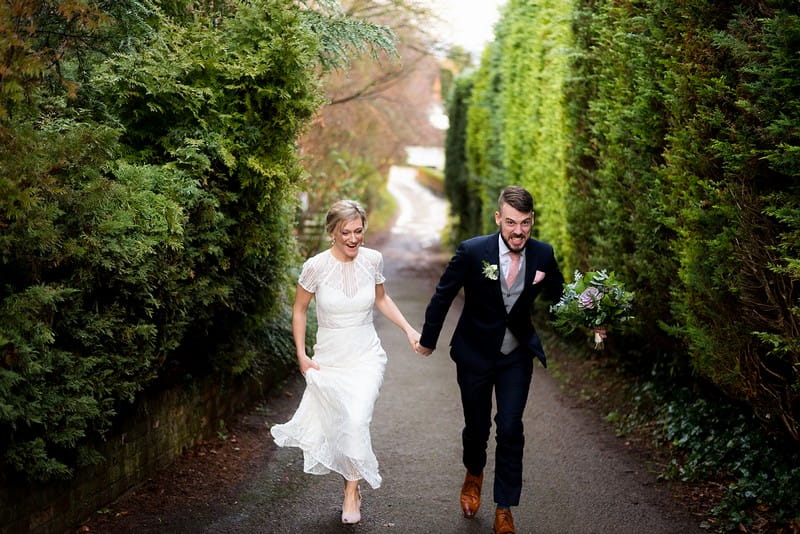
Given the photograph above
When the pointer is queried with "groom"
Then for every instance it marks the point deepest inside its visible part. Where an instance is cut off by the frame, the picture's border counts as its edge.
(494, 343)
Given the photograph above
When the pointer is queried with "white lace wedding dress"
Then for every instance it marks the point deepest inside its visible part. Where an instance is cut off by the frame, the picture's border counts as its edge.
(331, 424)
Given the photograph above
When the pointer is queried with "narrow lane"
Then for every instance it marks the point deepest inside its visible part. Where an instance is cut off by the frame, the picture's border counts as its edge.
(578, 476)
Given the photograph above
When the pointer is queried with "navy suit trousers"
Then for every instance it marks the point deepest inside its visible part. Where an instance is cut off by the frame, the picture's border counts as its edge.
(509, 378)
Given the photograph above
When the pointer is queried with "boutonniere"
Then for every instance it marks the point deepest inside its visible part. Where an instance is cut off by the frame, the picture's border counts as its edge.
(490, 270)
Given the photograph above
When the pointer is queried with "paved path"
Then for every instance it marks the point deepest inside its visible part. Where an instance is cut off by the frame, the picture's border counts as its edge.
(578, 477)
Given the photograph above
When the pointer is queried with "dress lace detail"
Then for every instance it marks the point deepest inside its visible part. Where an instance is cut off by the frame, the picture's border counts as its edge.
(366, 268)
(331, 424)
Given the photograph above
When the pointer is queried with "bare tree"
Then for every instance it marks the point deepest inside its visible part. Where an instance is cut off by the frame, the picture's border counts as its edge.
(376, 108)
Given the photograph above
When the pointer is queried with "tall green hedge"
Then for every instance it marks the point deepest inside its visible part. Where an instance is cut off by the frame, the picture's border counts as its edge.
(461, 189)
(148, 180)
(534, 58)
(516, 130)
(734, 170)
(617, 214)
(224, 103)
(484, 151)
(660, 139)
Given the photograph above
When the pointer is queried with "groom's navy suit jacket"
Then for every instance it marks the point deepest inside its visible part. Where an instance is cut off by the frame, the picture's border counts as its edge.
(479, 333)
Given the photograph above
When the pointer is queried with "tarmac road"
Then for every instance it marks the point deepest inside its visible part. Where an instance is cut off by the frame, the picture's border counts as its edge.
(578, 478)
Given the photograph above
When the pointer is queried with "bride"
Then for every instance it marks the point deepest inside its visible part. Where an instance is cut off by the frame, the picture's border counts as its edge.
(331, 424)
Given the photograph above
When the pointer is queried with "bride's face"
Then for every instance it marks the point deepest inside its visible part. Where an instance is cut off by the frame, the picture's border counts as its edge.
(348, 237)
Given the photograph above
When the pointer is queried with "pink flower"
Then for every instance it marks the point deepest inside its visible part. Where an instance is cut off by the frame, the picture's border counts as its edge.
(589, 296)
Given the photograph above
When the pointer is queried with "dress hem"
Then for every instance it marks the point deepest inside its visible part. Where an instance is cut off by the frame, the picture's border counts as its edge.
(286, 441)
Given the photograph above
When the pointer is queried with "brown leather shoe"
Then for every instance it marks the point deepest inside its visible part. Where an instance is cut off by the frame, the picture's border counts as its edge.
(471, 494)
(503, 522)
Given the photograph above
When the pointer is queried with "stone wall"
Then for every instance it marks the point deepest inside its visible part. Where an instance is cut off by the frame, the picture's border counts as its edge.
(159, 428)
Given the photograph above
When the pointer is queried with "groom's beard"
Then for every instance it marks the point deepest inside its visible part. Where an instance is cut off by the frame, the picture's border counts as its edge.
(509, 246)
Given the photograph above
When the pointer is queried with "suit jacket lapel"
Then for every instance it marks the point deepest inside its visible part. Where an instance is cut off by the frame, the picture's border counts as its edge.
(493, 251)
(492, 256)
(530, 268)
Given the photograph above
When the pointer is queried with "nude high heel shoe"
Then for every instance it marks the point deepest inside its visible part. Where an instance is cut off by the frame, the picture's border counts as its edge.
(352, 518)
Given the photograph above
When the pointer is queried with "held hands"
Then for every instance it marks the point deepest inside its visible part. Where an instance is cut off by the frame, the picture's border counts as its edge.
(413, 338)
(419, 349)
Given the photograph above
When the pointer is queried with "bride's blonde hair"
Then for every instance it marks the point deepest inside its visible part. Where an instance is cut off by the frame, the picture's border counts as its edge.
(344, 210)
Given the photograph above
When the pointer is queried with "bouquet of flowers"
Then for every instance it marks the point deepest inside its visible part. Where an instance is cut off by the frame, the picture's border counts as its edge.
(596, 301)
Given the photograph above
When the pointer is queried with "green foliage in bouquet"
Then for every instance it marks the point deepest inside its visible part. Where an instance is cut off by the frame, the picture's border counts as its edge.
(594, 300)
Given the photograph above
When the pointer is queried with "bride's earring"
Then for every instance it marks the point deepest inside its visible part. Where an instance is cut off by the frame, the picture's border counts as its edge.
(333, 242)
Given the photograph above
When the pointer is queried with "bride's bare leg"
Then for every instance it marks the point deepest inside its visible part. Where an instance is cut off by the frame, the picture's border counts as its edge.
(351, 507)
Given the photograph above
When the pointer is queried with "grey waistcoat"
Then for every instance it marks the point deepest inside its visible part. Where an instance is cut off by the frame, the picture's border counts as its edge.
(510, 296)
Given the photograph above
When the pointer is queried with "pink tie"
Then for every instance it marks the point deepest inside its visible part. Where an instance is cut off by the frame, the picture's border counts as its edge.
(513, 269)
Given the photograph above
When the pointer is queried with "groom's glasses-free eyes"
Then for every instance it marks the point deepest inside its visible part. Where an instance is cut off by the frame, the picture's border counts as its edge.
(509, 223)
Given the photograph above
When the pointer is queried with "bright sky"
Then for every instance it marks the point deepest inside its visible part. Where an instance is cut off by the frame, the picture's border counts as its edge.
(469, 23)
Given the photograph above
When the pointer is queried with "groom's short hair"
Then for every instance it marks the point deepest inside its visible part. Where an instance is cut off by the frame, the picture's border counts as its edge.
(517, 197)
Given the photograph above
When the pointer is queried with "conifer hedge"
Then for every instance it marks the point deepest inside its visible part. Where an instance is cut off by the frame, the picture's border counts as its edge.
(661, 140)
(148, 181)
(484, 153)
(462, 192)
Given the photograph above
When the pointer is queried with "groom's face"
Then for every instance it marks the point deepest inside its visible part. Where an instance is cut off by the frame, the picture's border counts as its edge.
(515, 227)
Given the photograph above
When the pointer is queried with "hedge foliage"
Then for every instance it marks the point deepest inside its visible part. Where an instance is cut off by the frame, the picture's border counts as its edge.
(462, 191)
(660, 139)
(148, 182)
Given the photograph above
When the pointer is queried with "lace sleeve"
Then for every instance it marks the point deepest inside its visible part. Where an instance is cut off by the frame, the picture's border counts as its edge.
(309, 276)
(379, 278)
